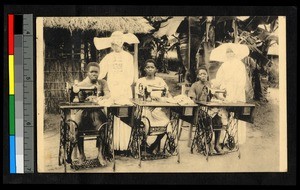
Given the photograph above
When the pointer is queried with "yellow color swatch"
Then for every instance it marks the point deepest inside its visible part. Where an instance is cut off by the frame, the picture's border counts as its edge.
(11, 71)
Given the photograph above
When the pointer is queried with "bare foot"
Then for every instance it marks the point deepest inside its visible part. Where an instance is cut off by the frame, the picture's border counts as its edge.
(218, 149)
(211, 150)
(81, 159)
(101, 160)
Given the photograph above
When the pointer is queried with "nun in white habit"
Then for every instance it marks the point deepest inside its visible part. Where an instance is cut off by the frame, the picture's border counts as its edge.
(231, 76)
(118, 67)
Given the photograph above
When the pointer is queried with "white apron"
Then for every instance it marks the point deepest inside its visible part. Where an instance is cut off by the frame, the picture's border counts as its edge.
(120, 73)
(232, 76)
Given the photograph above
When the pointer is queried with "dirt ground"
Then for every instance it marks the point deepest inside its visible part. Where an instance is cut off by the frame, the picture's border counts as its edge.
(260, 152)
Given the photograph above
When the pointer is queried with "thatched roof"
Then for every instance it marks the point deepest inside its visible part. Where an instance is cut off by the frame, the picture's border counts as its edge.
(110, 24)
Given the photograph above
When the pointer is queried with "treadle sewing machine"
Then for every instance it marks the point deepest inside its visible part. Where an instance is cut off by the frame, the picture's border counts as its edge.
(137, 144)
(70, 131)
(204, 133)
(76, 101)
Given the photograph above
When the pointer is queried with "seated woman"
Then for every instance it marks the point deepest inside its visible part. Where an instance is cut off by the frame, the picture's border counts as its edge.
(156, 116)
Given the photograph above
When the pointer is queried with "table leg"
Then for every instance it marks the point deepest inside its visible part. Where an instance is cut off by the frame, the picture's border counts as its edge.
(190, 135)
(180, 128)
(65, 162)
(62, 144)
(177, 140)
(237, 139)
(195, 118)
(139, 134)
(206, 146)
(111, 125)
(172, 142)
(193, 142)
(134, 137)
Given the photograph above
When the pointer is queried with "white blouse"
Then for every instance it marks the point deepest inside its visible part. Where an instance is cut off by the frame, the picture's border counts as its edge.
(120, 73)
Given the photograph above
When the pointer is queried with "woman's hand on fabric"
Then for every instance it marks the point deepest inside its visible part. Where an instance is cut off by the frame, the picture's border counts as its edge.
(91, 98)
(156, 98)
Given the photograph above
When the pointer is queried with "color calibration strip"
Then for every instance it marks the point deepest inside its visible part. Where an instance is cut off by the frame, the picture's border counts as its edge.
(21, 100)
(11, 70)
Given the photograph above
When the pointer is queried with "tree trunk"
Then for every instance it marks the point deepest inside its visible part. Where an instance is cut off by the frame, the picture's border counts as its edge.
(183, 44)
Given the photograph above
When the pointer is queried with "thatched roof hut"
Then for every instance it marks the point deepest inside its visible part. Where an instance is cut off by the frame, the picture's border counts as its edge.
(69, 47)
(100, 24)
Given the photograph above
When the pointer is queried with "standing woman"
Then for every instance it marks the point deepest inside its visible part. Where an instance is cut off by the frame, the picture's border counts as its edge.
(117, 67)
(231, 76)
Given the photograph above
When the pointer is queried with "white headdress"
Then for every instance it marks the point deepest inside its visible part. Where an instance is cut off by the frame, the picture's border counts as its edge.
(116, 37)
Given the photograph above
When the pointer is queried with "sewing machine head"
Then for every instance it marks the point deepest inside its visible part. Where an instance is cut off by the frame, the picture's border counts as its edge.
(151, 91)
(216, 94)
(77, 93)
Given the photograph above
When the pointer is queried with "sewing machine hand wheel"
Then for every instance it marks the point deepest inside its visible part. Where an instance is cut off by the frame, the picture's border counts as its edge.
(75, 89)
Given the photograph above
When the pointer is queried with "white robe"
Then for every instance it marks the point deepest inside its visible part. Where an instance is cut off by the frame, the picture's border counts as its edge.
(120, 73)
(232, 76)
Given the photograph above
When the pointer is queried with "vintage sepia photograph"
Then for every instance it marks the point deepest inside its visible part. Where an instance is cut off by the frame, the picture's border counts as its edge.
(161, 94)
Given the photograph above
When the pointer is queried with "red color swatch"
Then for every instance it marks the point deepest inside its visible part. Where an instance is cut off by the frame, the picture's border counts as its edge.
(10, 34)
